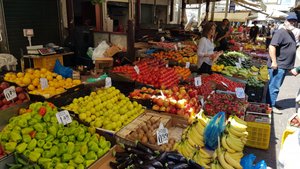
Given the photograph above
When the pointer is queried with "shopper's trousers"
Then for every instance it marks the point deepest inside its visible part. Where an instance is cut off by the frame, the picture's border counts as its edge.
(276, 79)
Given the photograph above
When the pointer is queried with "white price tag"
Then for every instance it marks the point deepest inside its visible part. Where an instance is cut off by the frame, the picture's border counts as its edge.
(44, 83)
(162, 135)
(10, 93)
(167, 65)
(137, 70)
(162, 39)
(107, 82)
(159, 30)
(240, 93)
(176, 48)
(202, 101)
(224, 84)
(238, 65)
(63, 117)
(187, 65)
(198, 81)
(240, 61)
(243, 59)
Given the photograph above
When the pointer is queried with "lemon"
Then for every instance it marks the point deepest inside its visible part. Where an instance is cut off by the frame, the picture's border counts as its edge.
(20, 74)
(31, 87)
(59, 77)
(26, 81)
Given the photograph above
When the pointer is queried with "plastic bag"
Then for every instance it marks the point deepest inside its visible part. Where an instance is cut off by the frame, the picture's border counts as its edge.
(247, 161)
(261, 165)
(62, 70)
(213, 131)
(90, 52)
(99, 50)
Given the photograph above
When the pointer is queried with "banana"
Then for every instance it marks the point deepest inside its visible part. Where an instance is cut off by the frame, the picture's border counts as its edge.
(213, 165)
(224, 144)
(204, 153)
(189, 149)
(200, 128)
(240, 121)
(193, 133)
(218, 166)
(231, 129)
(203, 120)
(237, 156)
(236, 140)
(231, 161)
(192, 141)
(221, 159)
(233, 145)
(203, 164)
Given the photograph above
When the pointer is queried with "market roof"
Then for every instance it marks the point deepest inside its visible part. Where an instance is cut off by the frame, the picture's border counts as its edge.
(232, 17)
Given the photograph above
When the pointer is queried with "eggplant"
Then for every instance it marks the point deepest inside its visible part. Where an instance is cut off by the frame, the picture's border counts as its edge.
(194, 165)
(144, 148)
(125, 164)
(179, 166)
(156, 164)
(122, 159)
(137, 160)
(136, 151)
(148, 166)
(162, 157)
(113, 165)
(147, 157)
(176, 157)
(169, 163)
(122, 154)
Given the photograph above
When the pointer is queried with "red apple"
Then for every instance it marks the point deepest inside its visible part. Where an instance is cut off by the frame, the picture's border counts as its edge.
(160, 102)
(6, 102)
(155, 107)
(180, 112)
(4, 107)
(21, 96)
(4, 85)
(19, 89)
(1, 103)
(19, 102)
(175, 89)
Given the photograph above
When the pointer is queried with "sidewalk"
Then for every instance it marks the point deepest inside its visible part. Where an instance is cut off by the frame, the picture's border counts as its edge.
(286, 99)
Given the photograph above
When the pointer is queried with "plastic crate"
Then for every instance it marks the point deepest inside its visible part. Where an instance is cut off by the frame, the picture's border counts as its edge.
(47, 62)
(258, 135)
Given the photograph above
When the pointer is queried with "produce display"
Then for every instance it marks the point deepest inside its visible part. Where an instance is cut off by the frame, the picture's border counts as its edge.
(21, 97)
(142, 157)
(259, 108)
(152, 72)
(184, 73)
(181, 56)
(181, 101)
(39, 137)
(31, 79)
(227, 103)
(20, 162)
(106, 108)
(255, 47)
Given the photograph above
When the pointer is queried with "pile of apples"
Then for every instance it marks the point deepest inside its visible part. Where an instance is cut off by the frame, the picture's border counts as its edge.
(184, 73)
(31, 79)
(176, 100)
(151, 72)
(21, 97)
(181, 56)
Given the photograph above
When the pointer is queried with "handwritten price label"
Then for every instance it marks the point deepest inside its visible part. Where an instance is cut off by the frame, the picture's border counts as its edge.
(44, 83)
(238, 65)
(198, 81)
(137, 70)
(63, 117)
(187, 65)
(162, 135)
(240, 93)
(10, 93)
(107, 82)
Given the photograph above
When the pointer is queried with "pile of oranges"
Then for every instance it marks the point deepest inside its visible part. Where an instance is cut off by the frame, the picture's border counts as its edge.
(31, 79)
(184, 73)
(181, 56)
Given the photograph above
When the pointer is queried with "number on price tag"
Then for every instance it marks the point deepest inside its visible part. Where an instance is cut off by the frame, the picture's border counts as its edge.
(238, 65)
(240, 93)
(198, 81)
(107, 82)
(167, 65)
(137, 70)
(187, 65)
(162, 39)
(44, 83)
(63, 117)
(10, 93)
(162, 135)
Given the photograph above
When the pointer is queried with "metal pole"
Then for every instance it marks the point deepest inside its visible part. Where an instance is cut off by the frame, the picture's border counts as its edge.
(226, 8)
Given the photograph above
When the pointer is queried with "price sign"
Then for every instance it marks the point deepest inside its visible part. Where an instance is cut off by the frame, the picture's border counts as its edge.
(238, 65)
(167, 65)
(240, 93)
(10, 93)
(176, 48)
(224, 84)
(44, 83)
(137, 70)
(240, 61)
(63, 117)
(198, 81)
(162, 39)
(162, 135)
(187, 65)
(107, 82)
(202, 101)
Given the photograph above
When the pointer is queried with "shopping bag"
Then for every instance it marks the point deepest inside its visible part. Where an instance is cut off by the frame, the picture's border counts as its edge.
(65, 72)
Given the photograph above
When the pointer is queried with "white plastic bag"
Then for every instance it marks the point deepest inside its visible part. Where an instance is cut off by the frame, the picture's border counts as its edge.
(7, 60)
(99, 50)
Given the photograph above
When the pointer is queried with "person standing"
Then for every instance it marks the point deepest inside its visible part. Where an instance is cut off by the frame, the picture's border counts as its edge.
(268, 36)
(222, 33)
(253, 32)
(282, 51)
(205, 51)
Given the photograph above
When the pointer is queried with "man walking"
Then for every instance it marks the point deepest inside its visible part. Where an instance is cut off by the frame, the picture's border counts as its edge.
(282, 52)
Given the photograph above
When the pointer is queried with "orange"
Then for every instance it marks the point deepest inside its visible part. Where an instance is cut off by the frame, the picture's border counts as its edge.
(50, 78)
(59, 77)
(26, 81)
(20, 74)
(31, 87)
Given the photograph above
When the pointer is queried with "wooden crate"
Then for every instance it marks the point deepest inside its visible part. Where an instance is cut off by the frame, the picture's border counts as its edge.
(103, 63)
(47, 62)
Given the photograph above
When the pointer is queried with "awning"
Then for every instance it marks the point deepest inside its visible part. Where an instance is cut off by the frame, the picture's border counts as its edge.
(232, 17)
(278, 15)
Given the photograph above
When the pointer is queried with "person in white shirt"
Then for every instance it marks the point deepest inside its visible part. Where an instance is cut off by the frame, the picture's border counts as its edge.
(296, 32)
(205, 52)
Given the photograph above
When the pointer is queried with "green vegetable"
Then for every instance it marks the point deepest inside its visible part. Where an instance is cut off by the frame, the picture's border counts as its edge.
(21, 147)
(47, 117)
(84, 149)
(71, 147)
(80, 137)
(72, 163)
(38, 127)
(64, 139)
(26, 153)
(61, 166)
(80, 166)
(47, 145)
(40, 136)
(100, 153)
(78, 159)
(66, 157)
(10, 146)
(22, 122)
(34, 156)
(89, 162)
(93, 146)
(54, 119)
(87, 137)
(54, 150)
(56, 160)
(60, 133)
(26, 130)
(75, 154)
(32, 144)
(70, 167)
(40, 150)
(4, 136)
(32, 121)
(55, 142)
(15, 137)
(41, 143)
(91, 156)
(49, 138)
(74, 123)
(52, 130)
(26, 138)
(43, 160)
(62, 148)
(72, 138)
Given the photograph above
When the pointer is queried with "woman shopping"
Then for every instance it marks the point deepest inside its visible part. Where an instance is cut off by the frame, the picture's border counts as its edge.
(205, 52)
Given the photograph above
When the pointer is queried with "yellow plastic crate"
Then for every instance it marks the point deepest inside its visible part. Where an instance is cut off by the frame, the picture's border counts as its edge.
(47, 62)
(258, 135)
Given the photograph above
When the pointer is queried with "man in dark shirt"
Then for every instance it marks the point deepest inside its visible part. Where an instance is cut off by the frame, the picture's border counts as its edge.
(222, 32)
(282, 52)
(253, 32)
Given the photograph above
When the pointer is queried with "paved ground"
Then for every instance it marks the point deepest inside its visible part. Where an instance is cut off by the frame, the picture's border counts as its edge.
(286, 99)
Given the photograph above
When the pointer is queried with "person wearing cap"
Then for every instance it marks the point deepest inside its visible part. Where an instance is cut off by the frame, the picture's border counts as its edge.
(282, 51)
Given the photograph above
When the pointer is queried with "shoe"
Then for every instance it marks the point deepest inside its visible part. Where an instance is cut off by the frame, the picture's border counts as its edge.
(276, 111)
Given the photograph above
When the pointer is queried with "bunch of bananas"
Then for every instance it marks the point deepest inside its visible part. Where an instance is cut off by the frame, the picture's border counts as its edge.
(263, 73)
(233, 143)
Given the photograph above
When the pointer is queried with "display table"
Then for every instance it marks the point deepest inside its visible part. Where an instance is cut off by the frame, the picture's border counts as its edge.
(47, 61)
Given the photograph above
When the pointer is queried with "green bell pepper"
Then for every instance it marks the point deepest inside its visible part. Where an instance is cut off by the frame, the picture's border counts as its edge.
(40, 136)
(40, 150)
(84, 149)
(34, 156)
(64, 139)
(78, 159)
(80, 166)
(41, 143)
(26, 130)
(66, 157)
(91, 156)
(15, 137)
(89, 162)
(62, 148)
(49, 138)
(52, 130)
(26, 138)
(72, 138)
(32, 144)
(10, 146)
(43, 160)
(93, 146)
(21, 147)
(60, 133)
(71, 147)
(22, 123)
(47, 145)
(38, 127)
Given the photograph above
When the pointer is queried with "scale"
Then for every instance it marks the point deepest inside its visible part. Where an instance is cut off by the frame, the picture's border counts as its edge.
(46, 51)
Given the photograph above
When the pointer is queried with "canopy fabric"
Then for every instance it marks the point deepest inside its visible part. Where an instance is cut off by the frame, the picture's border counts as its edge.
(278, 15)
(232, 17)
